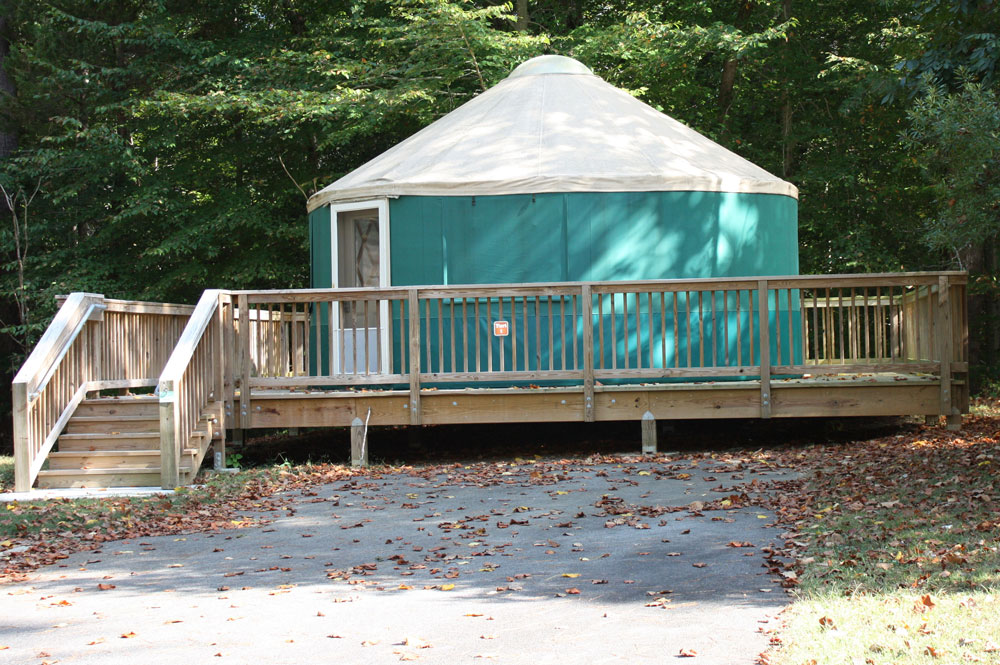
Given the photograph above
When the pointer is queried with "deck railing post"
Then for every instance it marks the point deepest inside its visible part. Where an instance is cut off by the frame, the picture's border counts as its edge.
(945, 337)
(243, 361)
(169, 436)
(416, 417)
(586, 306)
(763, 309)
(229, 356)
(22, 454)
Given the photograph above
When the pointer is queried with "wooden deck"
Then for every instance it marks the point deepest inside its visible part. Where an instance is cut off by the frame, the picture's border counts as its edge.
(762, 347)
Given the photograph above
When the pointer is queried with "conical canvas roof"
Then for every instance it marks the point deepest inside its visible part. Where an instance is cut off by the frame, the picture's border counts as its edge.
(552, 126)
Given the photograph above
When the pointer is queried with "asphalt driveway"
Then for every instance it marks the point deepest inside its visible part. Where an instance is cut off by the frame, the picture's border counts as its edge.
(584, 561)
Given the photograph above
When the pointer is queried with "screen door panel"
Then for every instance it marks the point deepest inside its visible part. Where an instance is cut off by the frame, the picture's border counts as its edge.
(358, 267)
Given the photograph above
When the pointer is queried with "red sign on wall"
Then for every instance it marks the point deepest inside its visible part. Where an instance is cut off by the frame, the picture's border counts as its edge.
(501, 328)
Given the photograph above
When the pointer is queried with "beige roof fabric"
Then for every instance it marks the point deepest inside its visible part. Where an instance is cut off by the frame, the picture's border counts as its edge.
(552, 126)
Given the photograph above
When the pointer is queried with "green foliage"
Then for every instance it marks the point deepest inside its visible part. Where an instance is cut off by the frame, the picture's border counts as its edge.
(956, 140)
(175, 141)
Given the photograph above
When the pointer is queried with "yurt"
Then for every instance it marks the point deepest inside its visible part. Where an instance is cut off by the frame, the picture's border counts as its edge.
(552, 175)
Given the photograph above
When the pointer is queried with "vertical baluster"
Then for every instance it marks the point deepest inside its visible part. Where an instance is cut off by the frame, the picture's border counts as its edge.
(503, 366)
(856, 319)
(725, 322)
(296, 350)
(902, 328)
(465, 335)
(840, 324)
(932, 330)
(526, 326)
(379, 366)
(625, 338)
(576, 353)
(777, 324)
(562, 330)
(513, 333)
(750, 313)
(877, 330)
(271, 347)
(451, 332)
(739, 325)
(440, 317)
(478, 336)
(427, 338)
(715, 329)
(638, 330)
(687, 317)
(663, 330)
(701, 328)
(791, 328)
(600, 328)
(552, 347)
(538, 335)
(335, 353)
(677, 339)
(367, 353)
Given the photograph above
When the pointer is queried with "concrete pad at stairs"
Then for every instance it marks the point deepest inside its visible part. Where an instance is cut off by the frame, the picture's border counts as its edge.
(81, 493)
(443, 566)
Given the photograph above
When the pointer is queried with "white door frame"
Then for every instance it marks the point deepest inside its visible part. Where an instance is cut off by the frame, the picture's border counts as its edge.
(384, 273)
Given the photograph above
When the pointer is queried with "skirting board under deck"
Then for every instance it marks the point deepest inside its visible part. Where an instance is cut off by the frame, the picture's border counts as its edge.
(821, 396)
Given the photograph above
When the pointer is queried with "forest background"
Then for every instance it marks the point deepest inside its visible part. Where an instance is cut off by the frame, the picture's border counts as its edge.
(150, 149)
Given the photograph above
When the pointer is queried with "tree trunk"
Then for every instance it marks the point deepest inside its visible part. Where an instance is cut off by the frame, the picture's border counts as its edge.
(8, 137)
(522, 16)
(729, 66)
(787, 142)
(982, 306)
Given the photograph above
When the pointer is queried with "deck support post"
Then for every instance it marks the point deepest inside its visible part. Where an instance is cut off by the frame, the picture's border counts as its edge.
(953, 422)
(931, 421)
(359, 443)
(219, 454)
(413, 439)
(648, 434)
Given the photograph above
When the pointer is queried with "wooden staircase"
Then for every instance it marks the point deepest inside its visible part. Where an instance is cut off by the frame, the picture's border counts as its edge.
(115, 442)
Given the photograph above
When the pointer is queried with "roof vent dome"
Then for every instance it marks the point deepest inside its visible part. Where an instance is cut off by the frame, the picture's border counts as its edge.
(550, 64)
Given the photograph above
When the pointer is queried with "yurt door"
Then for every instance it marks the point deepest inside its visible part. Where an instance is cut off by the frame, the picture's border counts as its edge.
(360, 260)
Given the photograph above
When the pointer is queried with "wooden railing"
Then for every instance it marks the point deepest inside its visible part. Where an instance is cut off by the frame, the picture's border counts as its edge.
(603, 331)
(191, 381)
(93, 343)
(581, 333)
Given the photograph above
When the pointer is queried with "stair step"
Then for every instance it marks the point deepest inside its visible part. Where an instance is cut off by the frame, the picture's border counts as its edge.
(109, 441)
(64, 478)
(115, 440)
(111, 459)
(131, 405)
(96, 424)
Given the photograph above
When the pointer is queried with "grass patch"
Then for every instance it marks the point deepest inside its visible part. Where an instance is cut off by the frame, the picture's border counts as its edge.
(891, 627)
(6, 473)
(895, 545)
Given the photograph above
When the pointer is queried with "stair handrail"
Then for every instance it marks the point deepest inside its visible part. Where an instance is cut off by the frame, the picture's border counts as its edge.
(33, 435)
(191, 378)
